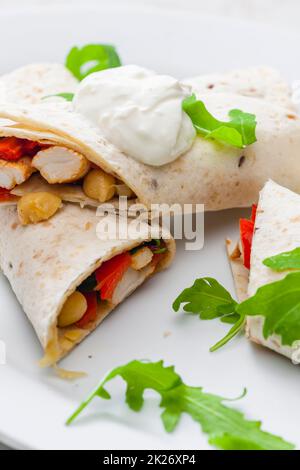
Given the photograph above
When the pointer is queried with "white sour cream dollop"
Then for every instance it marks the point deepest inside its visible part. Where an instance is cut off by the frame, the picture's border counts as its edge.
(138, 111)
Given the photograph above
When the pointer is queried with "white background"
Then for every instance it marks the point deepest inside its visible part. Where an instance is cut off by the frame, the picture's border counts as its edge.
(283, 14)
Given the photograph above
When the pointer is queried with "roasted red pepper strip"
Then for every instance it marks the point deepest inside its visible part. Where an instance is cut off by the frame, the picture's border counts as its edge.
(30, 148)
(246, 230)
(5, 195)
(246, 235)
(110, 274)
(12, 148)
(157, 257)
(91, 313)
(253, 213)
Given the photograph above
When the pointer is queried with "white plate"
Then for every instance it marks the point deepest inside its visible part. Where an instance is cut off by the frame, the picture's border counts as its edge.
(34, 403)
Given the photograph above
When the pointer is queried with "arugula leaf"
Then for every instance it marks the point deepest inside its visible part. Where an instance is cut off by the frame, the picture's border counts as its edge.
(238, 132)
(155, 245)
(210, 300)
(65, 96)
(284, 261)
(207, 298)
(239, 324)
(226, 427)
(279, 303)
(91, 58)
(160, 249)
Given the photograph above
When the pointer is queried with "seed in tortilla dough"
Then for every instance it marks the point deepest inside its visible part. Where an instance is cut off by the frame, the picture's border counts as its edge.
(99, 185)
(36, 207)
(73, 310)
(241, 160)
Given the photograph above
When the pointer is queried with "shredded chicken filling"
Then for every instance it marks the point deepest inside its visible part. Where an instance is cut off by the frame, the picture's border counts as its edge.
(20, 158)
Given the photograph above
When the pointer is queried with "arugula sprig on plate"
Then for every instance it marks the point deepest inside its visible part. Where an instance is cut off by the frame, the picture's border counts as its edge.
(226, 427)
(208, 299)
(238, 132)
(277, 302)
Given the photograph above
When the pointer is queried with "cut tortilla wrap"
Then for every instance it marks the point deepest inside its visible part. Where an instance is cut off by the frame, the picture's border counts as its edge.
(277, 230)
(47, 262)
(263, 83)
(209, 173)
(192, 179)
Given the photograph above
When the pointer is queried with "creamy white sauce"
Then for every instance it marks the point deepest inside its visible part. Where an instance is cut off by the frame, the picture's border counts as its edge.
(138, 111)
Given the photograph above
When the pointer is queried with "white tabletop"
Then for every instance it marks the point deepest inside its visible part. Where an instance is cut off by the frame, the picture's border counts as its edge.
(275, 12)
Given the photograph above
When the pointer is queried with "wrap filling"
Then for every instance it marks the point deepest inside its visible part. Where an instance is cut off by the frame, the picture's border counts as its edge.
(60, 172)
(99, 293)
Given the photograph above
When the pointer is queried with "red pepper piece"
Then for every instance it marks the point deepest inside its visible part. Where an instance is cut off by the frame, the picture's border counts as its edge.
(30, 148)
(246, 231)
(253, 213)
(110, 274)
(157, 257)
(91, 312)
(11, 148)
(5, 195)
(246, 236)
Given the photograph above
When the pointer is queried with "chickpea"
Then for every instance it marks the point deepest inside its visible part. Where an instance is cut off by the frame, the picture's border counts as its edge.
(73, 310)
(99, 185)
(35, 207)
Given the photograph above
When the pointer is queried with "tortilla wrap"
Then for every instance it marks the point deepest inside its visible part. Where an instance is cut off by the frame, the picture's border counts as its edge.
(277, 230)
(212, 174)
(32, 83)
(54, 123)
(264, 83)
(45, 263)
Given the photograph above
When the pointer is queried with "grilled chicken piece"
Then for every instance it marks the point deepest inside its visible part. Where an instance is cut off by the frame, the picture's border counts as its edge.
(60, 165)
(14, 173)
(129, 282)
(141, 258)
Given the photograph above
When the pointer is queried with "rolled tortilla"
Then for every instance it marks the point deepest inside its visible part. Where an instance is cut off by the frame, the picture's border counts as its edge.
(277, 230)
(46, 263)
(32, 83)
(198, 177)
(263, 83)
(212, 174)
